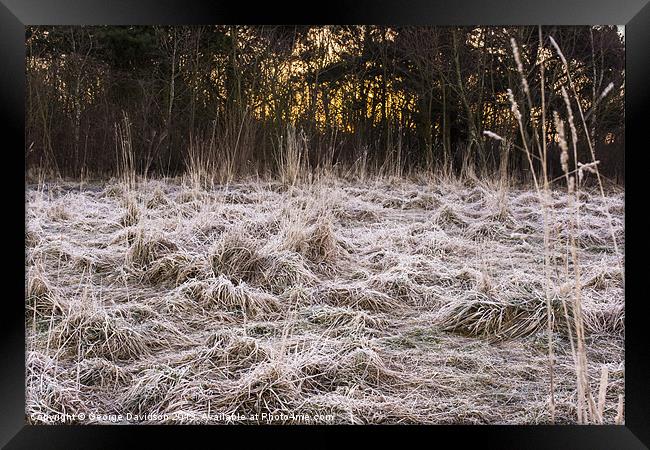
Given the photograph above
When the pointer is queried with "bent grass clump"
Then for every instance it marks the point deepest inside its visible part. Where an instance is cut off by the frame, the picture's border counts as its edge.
(318, 242)
(493, 231)
(222, 294)
(397, 284)
(48, 393)
(152, 389)
(344, 320)
(158, 199)
(356, 297)
(42, 302)
(89, 331)
(58, 213)
(32, 237)
(236, 257)
(604, 278)
(363, 365)
(115, 190)
(284, 270)
(237, 353)
(132, 213)
(606, 320)
(272, 387)
(101, 372)
(447, 216)
(145, 250)
(177, 268)
(478, 314)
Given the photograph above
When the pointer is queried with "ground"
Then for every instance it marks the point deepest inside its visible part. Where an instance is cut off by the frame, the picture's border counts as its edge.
(387, 301)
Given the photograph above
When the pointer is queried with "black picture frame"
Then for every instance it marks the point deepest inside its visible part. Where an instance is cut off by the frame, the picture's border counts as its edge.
(634, 14)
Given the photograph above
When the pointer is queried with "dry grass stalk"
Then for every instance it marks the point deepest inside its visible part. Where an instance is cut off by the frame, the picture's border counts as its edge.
(292, 158)
(124, 152)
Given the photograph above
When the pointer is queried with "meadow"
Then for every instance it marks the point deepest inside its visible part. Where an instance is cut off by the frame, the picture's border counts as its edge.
(412, 299)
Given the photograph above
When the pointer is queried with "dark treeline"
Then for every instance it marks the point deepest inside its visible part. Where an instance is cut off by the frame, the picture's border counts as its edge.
(413, 97)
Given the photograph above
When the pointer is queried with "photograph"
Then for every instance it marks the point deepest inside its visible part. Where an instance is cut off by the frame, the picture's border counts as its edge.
(325, 224)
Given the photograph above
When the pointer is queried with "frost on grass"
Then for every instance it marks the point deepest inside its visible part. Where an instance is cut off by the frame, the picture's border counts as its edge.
(385, 302)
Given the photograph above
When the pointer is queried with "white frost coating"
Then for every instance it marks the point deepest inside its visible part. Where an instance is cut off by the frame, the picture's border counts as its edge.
(390, 301)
